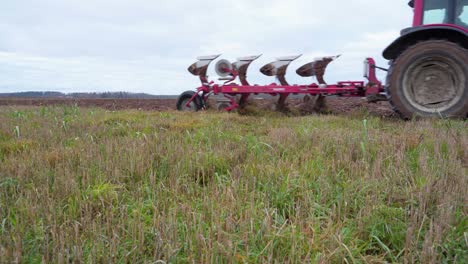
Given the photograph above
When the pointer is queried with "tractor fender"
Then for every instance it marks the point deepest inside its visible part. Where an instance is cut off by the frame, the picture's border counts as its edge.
(413, 35)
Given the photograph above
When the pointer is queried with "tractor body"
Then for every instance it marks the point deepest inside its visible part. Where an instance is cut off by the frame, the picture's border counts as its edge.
(428, 75)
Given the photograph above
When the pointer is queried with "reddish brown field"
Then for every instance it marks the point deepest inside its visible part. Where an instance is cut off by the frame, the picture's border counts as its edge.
(111, 104)
(335, 105)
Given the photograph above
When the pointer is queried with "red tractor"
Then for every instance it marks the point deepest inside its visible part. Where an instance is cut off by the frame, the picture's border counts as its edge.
(428, 75)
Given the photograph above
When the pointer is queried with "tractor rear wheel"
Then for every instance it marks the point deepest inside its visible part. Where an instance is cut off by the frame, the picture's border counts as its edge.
(185, 97)
(430, 79)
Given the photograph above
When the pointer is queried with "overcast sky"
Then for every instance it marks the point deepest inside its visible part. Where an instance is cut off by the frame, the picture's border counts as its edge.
(147, 45)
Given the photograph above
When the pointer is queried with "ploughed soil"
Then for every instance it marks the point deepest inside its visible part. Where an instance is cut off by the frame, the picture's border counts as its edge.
(110, 104)
(343, 106)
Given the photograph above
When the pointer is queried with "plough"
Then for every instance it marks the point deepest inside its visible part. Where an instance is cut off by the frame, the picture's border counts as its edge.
(237, 94)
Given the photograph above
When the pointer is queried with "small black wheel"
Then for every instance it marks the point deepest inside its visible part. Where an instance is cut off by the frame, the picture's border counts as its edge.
(184, 98)
(430, 79)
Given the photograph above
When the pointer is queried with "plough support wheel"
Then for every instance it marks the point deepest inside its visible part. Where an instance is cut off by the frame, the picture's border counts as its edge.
(184, 103)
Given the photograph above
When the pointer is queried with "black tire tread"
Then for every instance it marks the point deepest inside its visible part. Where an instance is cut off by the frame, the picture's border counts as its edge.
(395, 63)
(189, 94)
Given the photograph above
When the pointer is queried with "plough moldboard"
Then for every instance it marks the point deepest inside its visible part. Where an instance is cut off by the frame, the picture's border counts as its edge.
(237, 89)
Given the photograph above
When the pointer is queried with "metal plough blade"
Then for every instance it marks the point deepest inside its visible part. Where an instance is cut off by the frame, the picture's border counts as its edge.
(278, 68)
(316, 68)
(242, 65)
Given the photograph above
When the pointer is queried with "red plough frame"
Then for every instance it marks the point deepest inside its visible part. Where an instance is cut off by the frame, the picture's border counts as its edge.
(372, 89)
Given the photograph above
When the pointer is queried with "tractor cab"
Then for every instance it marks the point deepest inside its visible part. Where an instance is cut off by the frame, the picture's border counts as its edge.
(438, 12)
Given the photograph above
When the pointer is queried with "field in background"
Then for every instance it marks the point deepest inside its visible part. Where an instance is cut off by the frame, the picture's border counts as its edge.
(90, 185)
(335, 105)
(109, 104)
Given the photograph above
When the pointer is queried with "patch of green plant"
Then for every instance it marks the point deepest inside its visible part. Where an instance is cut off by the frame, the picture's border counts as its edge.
(386, 229)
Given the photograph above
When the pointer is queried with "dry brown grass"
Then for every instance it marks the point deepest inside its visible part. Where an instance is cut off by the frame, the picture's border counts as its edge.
(87, 185)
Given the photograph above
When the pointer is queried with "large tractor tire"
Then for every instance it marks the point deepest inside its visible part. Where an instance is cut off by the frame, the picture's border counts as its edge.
(430, 79)
(194, 106)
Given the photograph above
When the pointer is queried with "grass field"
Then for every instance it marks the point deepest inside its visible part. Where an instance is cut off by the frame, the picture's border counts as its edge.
(93, 186)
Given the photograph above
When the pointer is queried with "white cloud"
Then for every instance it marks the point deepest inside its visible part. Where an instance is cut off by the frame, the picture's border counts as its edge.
(146, 45)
